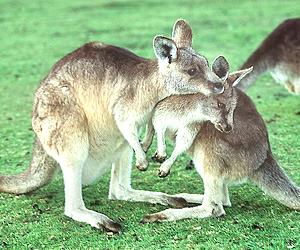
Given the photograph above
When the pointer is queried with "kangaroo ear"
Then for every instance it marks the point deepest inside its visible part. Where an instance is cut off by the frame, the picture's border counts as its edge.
(164, 48)
(220, 67)
(182, 34)
(237, 76)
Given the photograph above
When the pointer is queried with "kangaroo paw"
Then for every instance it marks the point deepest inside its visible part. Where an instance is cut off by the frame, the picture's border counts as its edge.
(143, 166)
(158, 158)
(163, 174)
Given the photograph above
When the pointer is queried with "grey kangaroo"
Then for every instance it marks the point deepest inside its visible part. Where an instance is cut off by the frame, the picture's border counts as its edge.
(180, 115)
(225, 158)
(87, 112)
(279, 53)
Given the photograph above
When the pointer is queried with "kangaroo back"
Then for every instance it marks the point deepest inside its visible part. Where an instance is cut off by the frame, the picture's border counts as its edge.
(280, 47)
(260, 60)
(42, 169)
(272, 180)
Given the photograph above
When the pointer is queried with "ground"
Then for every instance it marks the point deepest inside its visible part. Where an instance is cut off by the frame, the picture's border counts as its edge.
(35, 34)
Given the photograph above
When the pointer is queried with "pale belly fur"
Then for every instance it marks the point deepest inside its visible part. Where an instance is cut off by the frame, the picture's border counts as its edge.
(104, 151)
(283, 75)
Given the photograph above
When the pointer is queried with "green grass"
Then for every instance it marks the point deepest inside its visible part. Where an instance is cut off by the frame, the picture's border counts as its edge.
(35, 34)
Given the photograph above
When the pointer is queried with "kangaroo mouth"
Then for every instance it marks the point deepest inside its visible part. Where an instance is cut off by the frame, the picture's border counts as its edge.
(219, 127)
(223, 129)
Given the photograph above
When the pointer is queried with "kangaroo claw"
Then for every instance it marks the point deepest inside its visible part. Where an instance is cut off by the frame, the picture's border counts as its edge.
(158, 158)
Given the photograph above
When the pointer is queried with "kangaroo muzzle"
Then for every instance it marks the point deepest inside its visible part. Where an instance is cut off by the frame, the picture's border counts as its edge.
(223, 127)
(218, 88)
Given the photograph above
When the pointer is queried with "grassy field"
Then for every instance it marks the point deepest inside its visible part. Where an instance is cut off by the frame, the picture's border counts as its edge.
(35, 34)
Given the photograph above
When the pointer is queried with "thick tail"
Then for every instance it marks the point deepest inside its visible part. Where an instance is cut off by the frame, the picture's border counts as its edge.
(40, 172)
(273, 181)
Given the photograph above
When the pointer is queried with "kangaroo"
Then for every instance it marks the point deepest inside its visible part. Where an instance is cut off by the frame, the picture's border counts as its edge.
(182, 115)
(225, 158)
(279, 53)
(87, 112)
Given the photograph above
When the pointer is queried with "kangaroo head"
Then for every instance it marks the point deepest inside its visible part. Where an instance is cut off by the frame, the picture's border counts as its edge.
(220, 108)
(183, 71)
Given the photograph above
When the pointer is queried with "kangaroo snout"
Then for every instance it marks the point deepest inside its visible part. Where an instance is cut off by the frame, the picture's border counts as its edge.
(223, 127)
(228, 128)
(218, 88)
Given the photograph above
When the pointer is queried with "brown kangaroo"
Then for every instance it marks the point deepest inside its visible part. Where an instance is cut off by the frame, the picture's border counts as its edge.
(279, 53)
(87, 112)
(225, 158)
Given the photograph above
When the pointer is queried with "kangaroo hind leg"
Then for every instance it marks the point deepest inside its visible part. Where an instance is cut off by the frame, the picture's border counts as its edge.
(211, 206)
(63, 130)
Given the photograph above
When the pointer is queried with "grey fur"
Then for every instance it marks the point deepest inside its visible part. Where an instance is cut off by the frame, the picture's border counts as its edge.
(227, 158)
(87, 113)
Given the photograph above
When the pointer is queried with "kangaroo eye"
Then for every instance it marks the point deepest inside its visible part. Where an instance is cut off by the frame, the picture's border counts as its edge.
(192, 71)
(221, 105)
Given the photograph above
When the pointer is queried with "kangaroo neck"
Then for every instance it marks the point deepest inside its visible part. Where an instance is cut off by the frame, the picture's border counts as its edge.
(195, 110)
(151, 87)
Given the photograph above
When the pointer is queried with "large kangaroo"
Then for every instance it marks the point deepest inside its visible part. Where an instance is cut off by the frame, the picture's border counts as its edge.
(224, 158)
(89, 108)
(279, 53)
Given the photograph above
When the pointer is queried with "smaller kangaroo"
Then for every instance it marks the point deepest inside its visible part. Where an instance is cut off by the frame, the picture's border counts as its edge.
(182, 115)
(225, 158)
(279, 53)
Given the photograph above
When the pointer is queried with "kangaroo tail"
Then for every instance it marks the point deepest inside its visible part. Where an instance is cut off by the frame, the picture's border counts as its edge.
(273, 181)
(40, 172)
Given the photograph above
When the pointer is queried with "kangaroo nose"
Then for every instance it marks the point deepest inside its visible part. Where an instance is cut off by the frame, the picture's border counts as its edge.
(218, 88)
(228, 128)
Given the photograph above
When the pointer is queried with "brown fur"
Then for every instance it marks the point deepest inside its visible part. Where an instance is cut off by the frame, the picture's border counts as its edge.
(279, 53)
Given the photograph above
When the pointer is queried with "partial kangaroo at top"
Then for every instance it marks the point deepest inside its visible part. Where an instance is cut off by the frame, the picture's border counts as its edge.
(280, 54)
(88, 110)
